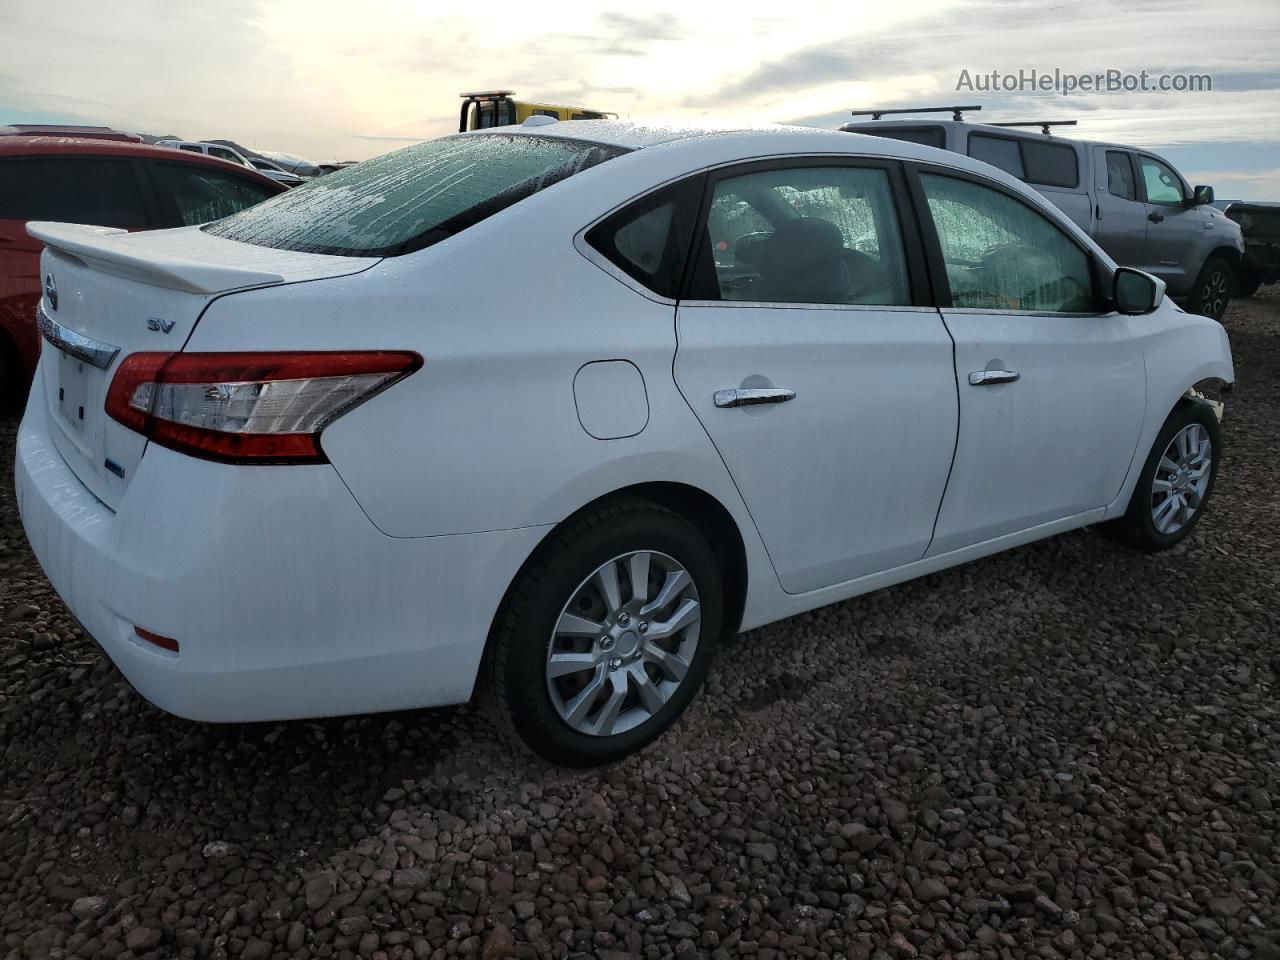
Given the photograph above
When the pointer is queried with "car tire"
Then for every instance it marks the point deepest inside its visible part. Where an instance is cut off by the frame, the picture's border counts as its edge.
(1248, 283)
(573, 645)
(1154, 521)
(1212, 293)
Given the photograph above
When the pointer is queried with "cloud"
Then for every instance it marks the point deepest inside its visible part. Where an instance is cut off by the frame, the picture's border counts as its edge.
(1270, 175)
(654, 27)
(324, 78)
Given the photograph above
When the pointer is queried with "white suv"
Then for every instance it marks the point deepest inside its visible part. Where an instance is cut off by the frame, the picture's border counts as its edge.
(546, 411)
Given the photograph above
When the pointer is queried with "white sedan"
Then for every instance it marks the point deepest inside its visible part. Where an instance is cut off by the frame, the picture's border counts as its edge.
(543, 412)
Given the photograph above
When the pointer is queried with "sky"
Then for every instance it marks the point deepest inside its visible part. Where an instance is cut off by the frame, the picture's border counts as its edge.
(346, 81)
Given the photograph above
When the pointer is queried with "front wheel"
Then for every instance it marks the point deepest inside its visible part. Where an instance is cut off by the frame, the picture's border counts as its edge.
(606, 635)
(1176, 481)
(1212, 292)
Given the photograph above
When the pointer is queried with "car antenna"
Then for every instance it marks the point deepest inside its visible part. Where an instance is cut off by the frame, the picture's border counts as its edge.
(877, 114)
(1044, 125)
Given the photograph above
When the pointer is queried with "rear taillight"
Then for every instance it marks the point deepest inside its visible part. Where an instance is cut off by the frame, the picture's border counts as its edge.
(248, 407)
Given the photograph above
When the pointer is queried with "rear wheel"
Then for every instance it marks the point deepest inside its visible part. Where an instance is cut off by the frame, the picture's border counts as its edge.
(1176, 481)
(1212, 292)
(607, 634)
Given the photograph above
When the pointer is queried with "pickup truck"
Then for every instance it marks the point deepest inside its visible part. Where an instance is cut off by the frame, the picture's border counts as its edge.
(1260, 223)
(1134, 203)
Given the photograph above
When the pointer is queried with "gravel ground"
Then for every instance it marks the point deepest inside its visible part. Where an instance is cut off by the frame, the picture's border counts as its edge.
(1070, 750)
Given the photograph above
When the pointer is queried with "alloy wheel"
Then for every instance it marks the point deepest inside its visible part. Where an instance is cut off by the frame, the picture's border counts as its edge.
(1214, 296)
(623, 644)
(1182, 479)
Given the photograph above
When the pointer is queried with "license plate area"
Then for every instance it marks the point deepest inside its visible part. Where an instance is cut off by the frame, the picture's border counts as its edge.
(74, 376)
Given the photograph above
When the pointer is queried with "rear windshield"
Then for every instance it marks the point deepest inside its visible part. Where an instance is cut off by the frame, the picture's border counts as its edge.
(412, 198)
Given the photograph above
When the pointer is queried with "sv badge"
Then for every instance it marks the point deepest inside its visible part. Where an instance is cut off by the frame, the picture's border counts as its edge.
(158, 325)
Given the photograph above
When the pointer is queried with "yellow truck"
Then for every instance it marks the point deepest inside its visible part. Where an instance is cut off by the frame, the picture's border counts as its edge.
(496, 108)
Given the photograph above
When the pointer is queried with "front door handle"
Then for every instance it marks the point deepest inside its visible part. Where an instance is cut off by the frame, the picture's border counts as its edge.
(985, 378)
(750, 396)
(1156, 217)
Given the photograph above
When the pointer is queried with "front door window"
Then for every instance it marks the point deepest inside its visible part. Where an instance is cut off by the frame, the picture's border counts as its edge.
(1000, 254)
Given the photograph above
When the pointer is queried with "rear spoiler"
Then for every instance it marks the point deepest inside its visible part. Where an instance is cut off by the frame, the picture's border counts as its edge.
(109, 250)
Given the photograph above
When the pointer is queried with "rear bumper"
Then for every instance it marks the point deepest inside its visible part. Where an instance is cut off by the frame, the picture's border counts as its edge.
(286, 601)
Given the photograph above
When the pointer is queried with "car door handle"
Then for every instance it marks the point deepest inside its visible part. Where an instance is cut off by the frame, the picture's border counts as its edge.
(1156, 217)
(750, 396)
(985, 378)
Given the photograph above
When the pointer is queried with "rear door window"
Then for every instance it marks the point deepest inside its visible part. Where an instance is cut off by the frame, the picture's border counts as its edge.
(412, 198)
(1120, 182)
(807, 234)
(1000, 152)
(102, 191)
(1034, 161)
(1053, 164)
(191, 194)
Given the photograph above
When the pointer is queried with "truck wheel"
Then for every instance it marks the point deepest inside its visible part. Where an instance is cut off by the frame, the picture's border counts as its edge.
(1212, 291)
(1248, 283)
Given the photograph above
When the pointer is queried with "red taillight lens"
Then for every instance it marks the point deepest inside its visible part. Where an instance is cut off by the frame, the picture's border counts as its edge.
(248, 407)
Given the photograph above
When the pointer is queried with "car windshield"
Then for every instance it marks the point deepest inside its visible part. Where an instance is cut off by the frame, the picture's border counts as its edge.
(412, 198)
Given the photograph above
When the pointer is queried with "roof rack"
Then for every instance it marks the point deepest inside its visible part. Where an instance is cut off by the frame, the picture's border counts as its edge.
(877, 114)
(486, 94)
(1044, 125)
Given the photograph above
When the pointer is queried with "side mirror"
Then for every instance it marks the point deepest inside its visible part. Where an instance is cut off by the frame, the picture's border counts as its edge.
(1202, 195)
(1136, 293)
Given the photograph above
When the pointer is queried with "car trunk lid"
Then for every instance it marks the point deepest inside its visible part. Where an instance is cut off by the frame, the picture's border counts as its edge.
(108, 293)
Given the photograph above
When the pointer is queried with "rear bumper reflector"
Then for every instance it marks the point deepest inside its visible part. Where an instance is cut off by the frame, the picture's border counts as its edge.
(164, 643)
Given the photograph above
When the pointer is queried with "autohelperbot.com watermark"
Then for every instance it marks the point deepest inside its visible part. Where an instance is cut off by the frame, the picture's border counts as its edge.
(1057, 80)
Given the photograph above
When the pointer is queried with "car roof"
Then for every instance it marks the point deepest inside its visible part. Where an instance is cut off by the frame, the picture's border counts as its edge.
(635, 135)
(69, 130)
(46, 146)
(742, 142)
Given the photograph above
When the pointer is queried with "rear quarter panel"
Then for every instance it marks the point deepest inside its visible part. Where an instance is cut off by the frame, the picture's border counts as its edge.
(487, 435)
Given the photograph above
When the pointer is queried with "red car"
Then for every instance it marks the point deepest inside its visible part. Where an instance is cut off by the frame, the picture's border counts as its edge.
(98, 181)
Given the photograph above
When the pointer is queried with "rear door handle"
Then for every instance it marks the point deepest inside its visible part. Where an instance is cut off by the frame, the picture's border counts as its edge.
(1156, 217)
(985, 378)
(750, 396)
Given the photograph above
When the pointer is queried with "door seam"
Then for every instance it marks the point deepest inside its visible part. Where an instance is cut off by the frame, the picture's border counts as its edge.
(675, 321)
(955, 447)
